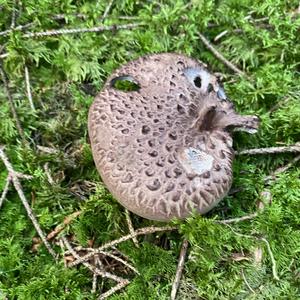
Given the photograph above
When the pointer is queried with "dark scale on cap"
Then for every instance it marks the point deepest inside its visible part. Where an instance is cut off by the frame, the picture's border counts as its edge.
(172, 121)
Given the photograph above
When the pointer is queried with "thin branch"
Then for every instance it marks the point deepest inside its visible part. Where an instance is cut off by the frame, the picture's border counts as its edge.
(107, 9)
(246, 282)
(14, 176)
(271, 150)
(281, 169)
(130, 227)
(235, 220)
(122, 261)
(114, 289)
(14, 15)
(180, 267)
(274, 269)
(219, 56)
(28, 89)
(11, 103)
(93, 269)
(141, 231)
(80, 30)
(17, 28)
(5, 190)
(67, 220)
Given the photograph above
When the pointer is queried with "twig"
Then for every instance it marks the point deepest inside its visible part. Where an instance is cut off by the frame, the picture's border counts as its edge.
(281, 169)
(14, 176)
(119, 286)
(141, 231)
(122, 261)
(28, 89)
(17, 28)
(4, 55)
(80, 30)
(130, 227)
(59, 228)
(179, 270)
(274, 269)
(14, 15)
(107, 9)
(95, 277)
(235, 220)
(93, 269)
(11, 103)
(271, 150)
(246, 282)
(121, 282)
(219, 56)
(5, 190)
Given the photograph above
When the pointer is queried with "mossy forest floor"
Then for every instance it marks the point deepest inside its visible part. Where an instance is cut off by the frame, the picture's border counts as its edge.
(250, 259)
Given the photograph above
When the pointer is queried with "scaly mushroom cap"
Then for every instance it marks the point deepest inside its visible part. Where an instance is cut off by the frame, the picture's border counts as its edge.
(164, 149)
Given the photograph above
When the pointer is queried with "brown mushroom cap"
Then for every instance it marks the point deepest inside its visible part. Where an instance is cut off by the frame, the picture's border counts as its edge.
(164, 149)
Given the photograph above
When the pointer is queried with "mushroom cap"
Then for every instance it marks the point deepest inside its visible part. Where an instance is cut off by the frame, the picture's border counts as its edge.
(164, 149)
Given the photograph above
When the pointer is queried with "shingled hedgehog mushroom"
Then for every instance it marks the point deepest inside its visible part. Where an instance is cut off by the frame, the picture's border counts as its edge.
(163, 147)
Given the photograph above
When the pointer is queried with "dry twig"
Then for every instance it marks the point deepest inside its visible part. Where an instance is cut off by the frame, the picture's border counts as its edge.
(28, 89)
(141, 231)
(121, 282)
(247, 283)
(107, 9)
(179, 270)
(5, 190)
(61, 227)
(271, 150)
(280, 170)
(14, 177)
(130, 227)
(80, 30)
(219, 56)
(235, 220)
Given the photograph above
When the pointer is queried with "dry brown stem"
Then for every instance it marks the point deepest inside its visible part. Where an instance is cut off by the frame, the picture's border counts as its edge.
(180, 267)
(219, 56)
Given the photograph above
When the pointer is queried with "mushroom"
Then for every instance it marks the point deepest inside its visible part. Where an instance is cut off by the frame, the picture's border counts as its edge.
(160, 132)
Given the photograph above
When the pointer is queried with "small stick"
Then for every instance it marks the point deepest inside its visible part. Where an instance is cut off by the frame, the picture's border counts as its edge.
(14, 15)
(282, 169)
(67, 220)
(80, 30)
(93, 269)
(219, 56)
(20, 27)
(11, 103)
(235, 220)
(179, 270)
(14, 176)
(95, 277)
(28, 89)
(5, 190)
(130, 227)
(141, 231)
(246, 282)
(120, 260)
(274, 269)
(107, 9)
(220, 35)
(114, 289)
(271, 150)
